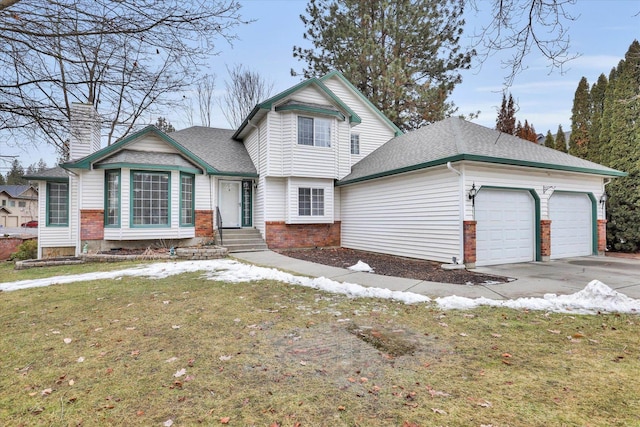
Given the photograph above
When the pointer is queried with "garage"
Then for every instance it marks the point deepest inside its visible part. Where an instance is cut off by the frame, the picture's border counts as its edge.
(505, 230)
(571, 216)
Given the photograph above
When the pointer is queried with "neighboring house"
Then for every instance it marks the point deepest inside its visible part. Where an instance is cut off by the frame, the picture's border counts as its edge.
(18, 204)
(319, 165)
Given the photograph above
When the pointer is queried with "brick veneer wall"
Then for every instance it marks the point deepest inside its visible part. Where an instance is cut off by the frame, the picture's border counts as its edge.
(469, 239)
(545, 239)
(280, 235)
(602, 236)
(8, 245)
(92, 224)
(204, 223)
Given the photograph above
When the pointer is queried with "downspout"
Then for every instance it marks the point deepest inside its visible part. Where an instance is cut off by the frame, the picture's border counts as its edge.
(78, 223)
(461, 184)
(259, 168)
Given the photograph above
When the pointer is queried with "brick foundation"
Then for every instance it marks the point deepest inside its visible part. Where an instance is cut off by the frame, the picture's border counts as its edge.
(602, 236)
(545, 239)
(283, 236)
(92, 224)
(204, 223)
(469, 238)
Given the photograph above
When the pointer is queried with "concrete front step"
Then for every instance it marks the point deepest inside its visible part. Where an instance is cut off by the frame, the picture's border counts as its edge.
(243, 240)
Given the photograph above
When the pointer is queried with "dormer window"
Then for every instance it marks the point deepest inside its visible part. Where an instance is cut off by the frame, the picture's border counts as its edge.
(314, 131)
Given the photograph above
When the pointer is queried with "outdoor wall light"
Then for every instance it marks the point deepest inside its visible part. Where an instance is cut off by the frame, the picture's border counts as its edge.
(473, 192)
(603, 198)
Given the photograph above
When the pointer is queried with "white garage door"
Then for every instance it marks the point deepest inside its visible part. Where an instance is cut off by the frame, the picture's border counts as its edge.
(505, 227)
(571, 225)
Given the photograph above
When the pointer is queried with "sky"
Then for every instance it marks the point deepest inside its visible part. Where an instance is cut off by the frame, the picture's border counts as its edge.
(600, 34)
(594, 298)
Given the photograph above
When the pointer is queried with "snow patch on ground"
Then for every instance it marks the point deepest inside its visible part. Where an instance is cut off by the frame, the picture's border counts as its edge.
(596, 296)
(361, 266)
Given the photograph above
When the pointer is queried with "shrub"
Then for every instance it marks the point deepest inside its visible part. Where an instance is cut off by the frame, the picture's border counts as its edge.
(27, 250)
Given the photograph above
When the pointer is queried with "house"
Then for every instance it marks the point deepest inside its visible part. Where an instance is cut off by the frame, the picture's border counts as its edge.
(319, 165)
(18, 204)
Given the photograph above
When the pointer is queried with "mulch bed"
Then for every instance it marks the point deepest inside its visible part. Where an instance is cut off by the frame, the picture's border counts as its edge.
(389, 265)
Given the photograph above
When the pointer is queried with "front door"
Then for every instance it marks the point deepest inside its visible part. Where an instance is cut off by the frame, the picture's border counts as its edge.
(230, 203)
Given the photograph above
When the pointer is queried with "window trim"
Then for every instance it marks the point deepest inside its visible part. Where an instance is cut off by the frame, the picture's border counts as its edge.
(313, 194)
(193, 200)
(357, 145)
(132, 224)
(48, 212)
(106, 198)
(314, 131)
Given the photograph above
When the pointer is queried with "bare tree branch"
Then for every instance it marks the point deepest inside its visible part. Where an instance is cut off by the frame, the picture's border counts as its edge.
(128, 59)
(520, 26)
(245, 89)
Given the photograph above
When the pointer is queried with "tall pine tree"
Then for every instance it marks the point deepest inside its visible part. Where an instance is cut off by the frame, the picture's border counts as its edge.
(579, 141)
(561, 140)
(506, 121)
(621, 150)
(549, 140)
(403, 55)
(597, 107)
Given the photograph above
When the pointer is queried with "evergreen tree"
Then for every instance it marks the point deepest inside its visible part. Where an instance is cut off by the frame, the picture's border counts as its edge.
(597, 106)
(526, 131)
(622, 148)
(561, 140)
(15, 174)
(581, 114)
(506, 121)
(164, 125)
(403, 55)
(2, 180)
(42, 165)
(549, 140)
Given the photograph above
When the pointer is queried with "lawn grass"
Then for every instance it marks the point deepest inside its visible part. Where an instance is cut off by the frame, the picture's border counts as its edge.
(195, 351)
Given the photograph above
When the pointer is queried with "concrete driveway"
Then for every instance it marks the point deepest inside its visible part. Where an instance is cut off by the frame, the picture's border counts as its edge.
(566, 276)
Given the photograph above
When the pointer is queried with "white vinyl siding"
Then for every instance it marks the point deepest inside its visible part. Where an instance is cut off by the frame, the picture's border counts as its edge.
(92, 189)
(414, 215)
(543, 182)
(319, 213)
(151, 143)
(373, 130)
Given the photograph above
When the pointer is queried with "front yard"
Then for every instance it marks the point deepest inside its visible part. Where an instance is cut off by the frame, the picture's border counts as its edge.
(185, 350)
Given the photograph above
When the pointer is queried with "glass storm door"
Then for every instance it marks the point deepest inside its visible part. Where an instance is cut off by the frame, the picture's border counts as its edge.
(230, 203)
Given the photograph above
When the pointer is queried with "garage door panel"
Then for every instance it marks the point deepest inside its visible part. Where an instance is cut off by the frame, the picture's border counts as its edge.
(571, 216)
(505, 227)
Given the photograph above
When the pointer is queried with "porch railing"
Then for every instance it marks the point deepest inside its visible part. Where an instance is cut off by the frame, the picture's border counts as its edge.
(219, 224)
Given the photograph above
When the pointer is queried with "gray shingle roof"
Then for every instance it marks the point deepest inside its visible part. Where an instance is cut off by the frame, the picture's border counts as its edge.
(217, 148)
(56, 173)
(146, 157)
(456, 139)
(15, 191)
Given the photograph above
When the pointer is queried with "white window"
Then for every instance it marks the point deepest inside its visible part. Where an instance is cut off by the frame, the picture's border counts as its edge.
(112, 199)
(150, 194)
(186, 200)
(57, 204)
(314, 131)
(355, 143)
(311, 201)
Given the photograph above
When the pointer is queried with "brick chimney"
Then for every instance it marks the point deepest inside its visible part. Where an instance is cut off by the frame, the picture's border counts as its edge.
(85, 131)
